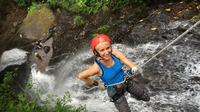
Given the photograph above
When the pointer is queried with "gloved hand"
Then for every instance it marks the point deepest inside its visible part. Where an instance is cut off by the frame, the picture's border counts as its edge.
(134, 70)
(138, 71)
(100, 85)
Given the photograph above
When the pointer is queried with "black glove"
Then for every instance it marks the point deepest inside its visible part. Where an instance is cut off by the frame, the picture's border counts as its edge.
(95, 83)
(134, 70)
(100, 85)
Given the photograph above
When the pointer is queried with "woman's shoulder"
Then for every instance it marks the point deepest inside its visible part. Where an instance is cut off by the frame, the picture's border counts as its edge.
(116, 52)
(93, 69)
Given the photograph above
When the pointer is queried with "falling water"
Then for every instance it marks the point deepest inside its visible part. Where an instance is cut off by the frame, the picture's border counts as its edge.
(12, 57)
(174, 79)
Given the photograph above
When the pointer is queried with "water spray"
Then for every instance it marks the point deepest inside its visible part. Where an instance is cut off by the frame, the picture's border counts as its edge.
(183, 34)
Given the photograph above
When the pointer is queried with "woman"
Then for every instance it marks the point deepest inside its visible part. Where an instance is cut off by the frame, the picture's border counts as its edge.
(108, 66)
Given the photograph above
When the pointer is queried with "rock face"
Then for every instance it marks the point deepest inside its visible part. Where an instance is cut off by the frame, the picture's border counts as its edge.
(37, 23)
(41, 56)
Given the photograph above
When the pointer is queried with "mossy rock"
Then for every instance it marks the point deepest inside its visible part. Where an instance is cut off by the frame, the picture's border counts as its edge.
(37, 23)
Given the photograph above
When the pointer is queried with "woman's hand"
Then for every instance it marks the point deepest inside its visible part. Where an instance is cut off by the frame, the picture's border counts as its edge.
(137, 71)
(134, 70)
(100, 85)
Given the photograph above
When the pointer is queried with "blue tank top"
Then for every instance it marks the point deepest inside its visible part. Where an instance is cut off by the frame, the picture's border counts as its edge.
(112, 75)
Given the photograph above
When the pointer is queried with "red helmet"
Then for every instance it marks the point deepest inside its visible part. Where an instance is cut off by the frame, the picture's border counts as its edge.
(97, 39)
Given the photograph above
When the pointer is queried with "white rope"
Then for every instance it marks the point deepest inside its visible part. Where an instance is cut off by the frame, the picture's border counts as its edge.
(197, 23)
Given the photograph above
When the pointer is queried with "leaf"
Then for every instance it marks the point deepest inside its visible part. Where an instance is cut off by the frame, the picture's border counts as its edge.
(175, 17)
(154, 28)
(168, 9)
(141, 20)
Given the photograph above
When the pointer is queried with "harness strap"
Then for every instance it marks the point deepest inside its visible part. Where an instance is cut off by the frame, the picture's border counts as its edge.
(119, 91)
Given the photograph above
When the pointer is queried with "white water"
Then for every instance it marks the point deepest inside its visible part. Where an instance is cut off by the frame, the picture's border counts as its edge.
(65, 79)
(12, 57)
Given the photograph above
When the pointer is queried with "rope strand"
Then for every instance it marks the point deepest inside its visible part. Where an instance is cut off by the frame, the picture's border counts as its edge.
(183, 34)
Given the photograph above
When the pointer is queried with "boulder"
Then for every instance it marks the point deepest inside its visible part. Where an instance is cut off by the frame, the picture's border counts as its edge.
(37, 23)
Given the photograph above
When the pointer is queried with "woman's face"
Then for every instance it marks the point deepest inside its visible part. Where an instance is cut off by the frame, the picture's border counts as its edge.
(105, 50)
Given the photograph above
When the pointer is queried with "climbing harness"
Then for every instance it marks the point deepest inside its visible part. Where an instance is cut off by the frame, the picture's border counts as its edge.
(183, 34)
(127, 72)
(115, 92)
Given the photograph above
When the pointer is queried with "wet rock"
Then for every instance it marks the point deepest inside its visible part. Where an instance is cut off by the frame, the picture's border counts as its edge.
(37, 23)
(13, 30)
(41, 56)
(84, 97)
(16, 23)
(89, 60)
(195, 79)
(190, 108)
(173, 25)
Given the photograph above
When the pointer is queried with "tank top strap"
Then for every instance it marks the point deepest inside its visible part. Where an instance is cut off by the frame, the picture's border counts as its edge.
(99, 64)
(114, 58)
(103, 67)
(111, 75)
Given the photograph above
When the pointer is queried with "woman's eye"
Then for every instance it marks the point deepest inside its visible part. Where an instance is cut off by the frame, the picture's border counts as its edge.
(101, 50)
(107, 48)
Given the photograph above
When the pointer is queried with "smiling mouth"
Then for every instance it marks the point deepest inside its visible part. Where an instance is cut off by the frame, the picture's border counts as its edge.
(107, 56)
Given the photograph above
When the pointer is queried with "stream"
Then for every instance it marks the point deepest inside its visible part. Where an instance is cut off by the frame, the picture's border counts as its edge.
(174, 77)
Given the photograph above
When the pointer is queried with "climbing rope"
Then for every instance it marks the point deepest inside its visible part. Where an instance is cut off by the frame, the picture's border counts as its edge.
(183, 34)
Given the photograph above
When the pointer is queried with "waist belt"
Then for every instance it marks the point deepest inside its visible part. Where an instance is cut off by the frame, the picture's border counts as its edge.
(120, 89)
(116, 91)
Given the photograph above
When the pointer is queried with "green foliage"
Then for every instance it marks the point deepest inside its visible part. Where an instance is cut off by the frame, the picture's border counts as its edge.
(79, 21)
(62, 105)
(139, 1)
(65, 4)
(25, 3)
(33, 7)
(17, 102)
(196, 17)
(29, 84)
(117, 4)
(5, 94)
(103, 29)
(86, 6)
(83, 6)
(22, 105)
(89, 6)
(2, 3)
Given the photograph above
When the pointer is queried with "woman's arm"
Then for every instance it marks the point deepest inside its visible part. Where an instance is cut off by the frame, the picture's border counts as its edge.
(91, 71)
(123, 58)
